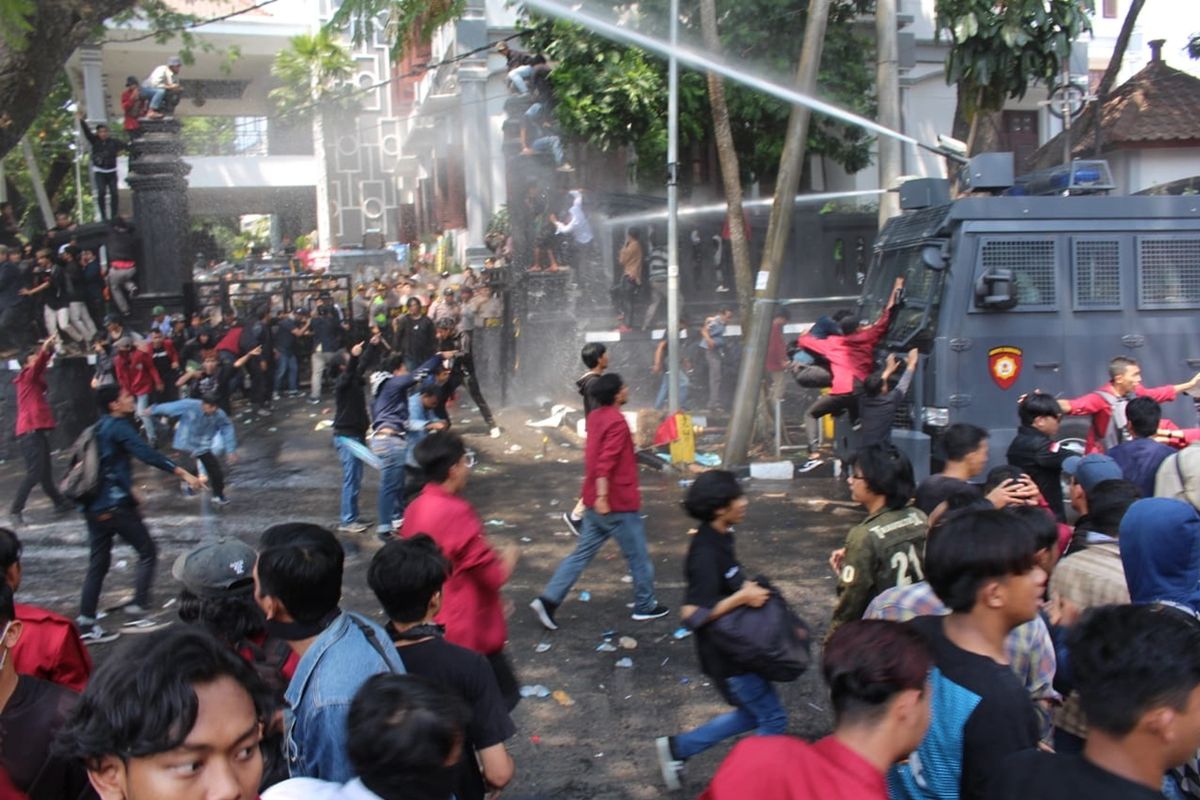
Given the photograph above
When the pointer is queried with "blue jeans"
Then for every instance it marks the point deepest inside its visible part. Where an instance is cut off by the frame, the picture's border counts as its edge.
(757, 707)
(549, 144)
(392, 451)
(518, 77)
(142, 410)
(660, 402)
(627, 528)
(351, 479)
(287, 371)
(155, 96)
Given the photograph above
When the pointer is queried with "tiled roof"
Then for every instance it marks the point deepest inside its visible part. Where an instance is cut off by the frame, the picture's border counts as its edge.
(1159, 105)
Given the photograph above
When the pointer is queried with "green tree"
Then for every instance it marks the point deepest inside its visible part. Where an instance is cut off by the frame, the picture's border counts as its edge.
(1193, 46)
(314, 74)
(998, 48)
(403, 21)
(610, 95)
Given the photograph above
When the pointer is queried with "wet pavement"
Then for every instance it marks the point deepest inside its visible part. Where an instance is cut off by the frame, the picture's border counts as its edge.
(597, 739)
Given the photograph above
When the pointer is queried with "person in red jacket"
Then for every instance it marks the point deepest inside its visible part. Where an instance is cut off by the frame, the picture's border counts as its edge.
(877, 673)
(35, 420)
(472, 611)
(133, 105)
(136, 374)
(613, 501)
(49, 647)
(1106, 405)
(851, 360)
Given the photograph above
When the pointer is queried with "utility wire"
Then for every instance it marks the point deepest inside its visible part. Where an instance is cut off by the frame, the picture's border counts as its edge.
(196, 23)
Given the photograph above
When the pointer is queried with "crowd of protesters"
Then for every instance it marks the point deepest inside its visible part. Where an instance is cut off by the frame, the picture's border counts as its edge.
(987, 639)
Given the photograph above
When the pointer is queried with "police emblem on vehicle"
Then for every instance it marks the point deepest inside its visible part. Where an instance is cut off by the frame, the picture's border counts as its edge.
(1005, 365)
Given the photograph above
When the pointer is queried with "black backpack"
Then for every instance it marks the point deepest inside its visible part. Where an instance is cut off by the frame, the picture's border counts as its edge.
(771, 641)
(81, 484)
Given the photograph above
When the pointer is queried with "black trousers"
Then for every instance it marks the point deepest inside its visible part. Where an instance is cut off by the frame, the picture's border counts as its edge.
(262, 376)
(835, 404)
(216, 473)
(106, 186)
(126, 523)
(35, 449)
(464, 374)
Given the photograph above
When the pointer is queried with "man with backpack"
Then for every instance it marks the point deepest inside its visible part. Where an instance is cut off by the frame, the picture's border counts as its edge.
(1106, 405)
(101, 483)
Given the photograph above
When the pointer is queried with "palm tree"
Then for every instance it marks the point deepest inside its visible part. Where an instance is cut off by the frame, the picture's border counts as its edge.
(314, 73)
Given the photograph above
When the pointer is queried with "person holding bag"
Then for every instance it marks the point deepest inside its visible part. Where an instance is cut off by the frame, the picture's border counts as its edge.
(716, 586)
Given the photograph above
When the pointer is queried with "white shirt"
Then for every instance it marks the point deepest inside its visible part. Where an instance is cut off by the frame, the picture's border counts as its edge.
(162, 78)
(313, 789)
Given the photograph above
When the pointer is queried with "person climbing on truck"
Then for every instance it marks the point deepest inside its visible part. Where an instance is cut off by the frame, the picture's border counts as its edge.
(851, 360)
(1106, 405)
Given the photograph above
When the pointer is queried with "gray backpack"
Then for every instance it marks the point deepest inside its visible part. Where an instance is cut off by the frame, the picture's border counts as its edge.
(1117, 430)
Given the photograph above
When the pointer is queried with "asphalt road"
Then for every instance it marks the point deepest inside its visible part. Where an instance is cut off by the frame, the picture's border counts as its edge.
(601, 744)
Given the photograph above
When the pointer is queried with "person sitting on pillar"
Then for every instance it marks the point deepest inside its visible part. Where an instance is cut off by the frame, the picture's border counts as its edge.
(122, 247)
(105, 150)
(519, 66)
(163, 89)
(539, 134)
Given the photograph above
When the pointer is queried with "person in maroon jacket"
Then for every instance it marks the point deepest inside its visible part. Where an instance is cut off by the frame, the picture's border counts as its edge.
(35, 420)
(472, 609)
(613, 500)
(136, 374)
(851, 360)
(49, 647)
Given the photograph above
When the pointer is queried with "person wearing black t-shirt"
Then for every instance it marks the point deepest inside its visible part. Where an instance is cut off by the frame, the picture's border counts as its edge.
(981, 564)
(407, 577)
(1137, 670)
(715, 587)
(31, 713)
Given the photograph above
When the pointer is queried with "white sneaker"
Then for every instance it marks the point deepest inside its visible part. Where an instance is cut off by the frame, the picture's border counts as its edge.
(94, 634)
(668, 764)
(353, 527)
(494, 433)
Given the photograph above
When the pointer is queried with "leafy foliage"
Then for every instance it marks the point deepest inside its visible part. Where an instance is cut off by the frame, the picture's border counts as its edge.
(1193, 46)
(612, 96)
(14, 21)
(402, 22)
(314, 73)
(998, 47)
(52, 137)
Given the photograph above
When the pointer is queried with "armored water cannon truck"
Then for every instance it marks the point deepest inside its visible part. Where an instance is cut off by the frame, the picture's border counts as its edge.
(1036, 284)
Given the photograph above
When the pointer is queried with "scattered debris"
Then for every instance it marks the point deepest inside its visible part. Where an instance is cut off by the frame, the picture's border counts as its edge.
(684, 681)
(585, 596)
(627, 579)
(535, 739)
(563, 699)
(495, 523)
(535, 691)
(606, 647)
(542, 647)
(681, 633)
(526, 539)
(626, 663)
(513, 448)
(627, 643)
(708, 459)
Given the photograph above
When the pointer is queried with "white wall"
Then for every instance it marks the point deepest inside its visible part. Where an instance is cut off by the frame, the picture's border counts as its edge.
(1173, 20)
(1135, 170)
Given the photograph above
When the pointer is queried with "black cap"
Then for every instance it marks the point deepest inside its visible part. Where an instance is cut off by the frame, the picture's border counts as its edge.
(216, 568)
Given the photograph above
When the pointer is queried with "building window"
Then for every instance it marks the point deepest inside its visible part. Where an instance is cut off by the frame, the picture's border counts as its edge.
(1110, 9)
(1019, 135)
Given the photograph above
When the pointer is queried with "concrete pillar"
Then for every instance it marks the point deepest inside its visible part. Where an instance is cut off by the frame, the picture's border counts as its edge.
(92, 65)
(471, 33)
(158, 177)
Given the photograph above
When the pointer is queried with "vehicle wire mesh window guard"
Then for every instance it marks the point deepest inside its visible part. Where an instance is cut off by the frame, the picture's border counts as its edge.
(1168, 272)
(1032, 263)
(1097, 273)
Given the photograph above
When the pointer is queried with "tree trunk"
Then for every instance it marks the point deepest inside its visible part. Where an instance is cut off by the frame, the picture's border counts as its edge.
(791, 166)
(730, 170)
(28, 72)
(1109, 78)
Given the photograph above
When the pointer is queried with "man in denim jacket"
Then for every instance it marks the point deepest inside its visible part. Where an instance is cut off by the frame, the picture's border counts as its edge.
(298, 583)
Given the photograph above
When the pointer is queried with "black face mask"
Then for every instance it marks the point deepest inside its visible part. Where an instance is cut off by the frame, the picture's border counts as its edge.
(299, 631)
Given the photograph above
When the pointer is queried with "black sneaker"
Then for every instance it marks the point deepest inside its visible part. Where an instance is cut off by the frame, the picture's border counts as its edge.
(576, 525)
(545, 612)
(658, 612)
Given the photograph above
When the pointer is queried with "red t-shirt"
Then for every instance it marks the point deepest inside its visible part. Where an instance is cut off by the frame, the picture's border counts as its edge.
(787, 768)
(50, 648)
